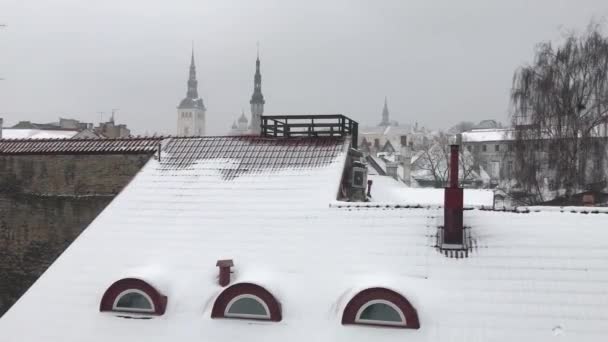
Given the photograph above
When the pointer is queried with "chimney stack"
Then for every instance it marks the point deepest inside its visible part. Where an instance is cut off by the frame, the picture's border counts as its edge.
(224, 266)
(377, 144)
(405, 159)
(1, 126)
(453, 204)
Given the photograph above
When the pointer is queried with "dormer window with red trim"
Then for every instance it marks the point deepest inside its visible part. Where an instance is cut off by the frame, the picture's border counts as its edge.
(247, 301)
(381, 307)
(133, 296)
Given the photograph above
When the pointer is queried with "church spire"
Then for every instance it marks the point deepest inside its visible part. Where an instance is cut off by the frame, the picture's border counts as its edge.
(257, 96)
(257, 99)
(385, 115)
(192, 82)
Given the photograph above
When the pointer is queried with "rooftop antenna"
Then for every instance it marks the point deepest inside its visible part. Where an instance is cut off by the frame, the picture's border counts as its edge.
(258, 48)
(114, 110)
(100, 116)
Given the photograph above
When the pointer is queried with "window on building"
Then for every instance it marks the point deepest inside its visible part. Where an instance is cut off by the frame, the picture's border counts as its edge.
(469, 148)
(484, 148)
(247, 306)
(496, 148)
(133, 300)
(135, 296)
(380, 307)
(186, 131)
(380, 312)
(510, 147)
(247, 301)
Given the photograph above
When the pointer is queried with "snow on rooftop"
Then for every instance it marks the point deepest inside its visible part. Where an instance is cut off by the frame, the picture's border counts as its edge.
(529, 277)
(18, 133)
(493, 134)
(387, 190)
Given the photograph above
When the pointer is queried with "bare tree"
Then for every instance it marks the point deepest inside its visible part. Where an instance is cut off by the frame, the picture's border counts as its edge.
(559, 102)
(434, 159)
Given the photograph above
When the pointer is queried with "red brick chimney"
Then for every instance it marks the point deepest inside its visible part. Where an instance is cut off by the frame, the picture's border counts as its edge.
(453, 203)
(224, 266)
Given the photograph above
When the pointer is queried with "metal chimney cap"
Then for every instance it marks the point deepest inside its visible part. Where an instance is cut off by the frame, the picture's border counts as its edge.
(225, 263)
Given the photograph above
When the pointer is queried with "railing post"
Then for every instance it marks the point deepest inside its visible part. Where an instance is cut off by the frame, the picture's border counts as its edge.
(355, 135)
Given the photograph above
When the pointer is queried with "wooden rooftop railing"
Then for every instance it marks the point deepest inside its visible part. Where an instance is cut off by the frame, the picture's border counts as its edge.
(328, 125)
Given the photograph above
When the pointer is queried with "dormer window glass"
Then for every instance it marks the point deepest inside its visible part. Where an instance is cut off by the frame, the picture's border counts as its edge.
(133, 300)
(247, 306)
(380, 311)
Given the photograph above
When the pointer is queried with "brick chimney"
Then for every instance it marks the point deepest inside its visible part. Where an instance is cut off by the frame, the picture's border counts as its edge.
(453, 204)
(224, 266)
(405, 159)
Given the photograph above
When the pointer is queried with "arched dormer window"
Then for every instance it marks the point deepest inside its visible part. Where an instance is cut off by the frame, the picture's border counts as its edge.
(132, 295)
(247, 301)
(381, 307)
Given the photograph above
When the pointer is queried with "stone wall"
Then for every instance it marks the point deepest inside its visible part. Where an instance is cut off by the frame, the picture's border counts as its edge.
(45, 202)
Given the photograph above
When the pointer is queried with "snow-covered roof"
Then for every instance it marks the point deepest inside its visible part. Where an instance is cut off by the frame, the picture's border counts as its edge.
(80, 146)
(18, 133)
(529, 277)
(482, 135)
(387, 190)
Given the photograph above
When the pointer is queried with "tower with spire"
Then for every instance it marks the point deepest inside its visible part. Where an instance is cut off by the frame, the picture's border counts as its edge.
(386, 121)
(191, 110)
(257, 99)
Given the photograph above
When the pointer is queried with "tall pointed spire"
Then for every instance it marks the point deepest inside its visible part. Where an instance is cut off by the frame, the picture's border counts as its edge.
(257, 99)
(192, 99)
(191, 111)
(192, 58)
(192, 82)
(385, 114)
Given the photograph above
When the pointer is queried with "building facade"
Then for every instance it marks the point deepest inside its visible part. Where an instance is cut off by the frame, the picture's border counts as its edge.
(191, 110)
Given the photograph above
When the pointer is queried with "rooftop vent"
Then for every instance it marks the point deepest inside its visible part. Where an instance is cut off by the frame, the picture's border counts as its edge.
(287, 126)
(224, 266)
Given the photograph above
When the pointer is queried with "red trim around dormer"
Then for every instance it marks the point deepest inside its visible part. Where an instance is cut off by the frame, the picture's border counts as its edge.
(365, 296)
(158, 300)
(219, 307)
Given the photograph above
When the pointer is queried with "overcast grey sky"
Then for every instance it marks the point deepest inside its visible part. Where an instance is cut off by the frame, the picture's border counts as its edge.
(439, 62)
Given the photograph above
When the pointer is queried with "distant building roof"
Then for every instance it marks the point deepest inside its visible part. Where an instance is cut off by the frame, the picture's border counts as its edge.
(75, 146)
(487, 124)
(489, 135)
(27, 133)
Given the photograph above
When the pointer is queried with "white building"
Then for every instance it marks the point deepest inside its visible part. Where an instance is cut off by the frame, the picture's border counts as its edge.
(240, 126)
(191, 111)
